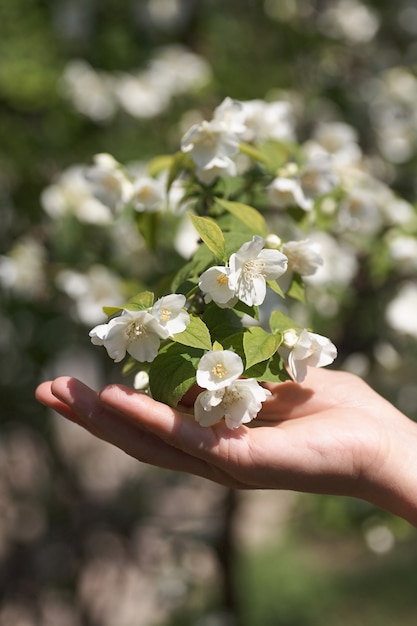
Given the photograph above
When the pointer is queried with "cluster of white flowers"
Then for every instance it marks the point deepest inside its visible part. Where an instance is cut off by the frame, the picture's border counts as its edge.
(139, 333)
(214, 145)
(95, 194)
(238, 400)
(143, 94)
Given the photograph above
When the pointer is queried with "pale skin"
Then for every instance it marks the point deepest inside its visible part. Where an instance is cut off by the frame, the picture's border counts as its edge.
(331, 434)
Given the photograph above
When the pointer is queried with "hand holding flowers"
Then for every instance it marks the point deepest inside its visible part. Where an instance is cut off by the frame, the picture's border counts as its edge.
(211, 317)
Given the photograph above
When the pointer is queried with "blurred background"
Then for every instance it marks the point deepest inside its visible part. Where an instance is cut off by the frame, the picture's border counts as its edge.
(88, 536)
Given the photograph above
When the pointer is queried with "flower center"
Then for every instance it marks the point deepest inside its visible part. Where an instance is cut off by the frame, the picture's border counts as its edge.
(222, 280)
(165, 315)
(219, 370)
(230, 396)
(135, 331)
(253, 268)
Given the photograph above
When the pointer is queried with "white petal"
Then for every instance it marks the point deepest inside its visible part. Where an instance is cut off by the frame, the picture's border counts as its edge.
(215, 283)
(145, 348)
(274, 263)
(204, 417)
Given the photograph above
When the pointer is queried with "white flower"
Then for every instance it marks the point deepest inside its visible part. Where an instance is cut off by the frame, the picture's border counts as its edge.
(109, 183)
(285, 192)
(310, 350)
(239, 403)
(22, 270)
(303, 256)
(230, 114)
(401, 311)
(211, 147)
(403, 251)
(148, 194)
(251, 266)
(169, 313)
(136, 332)
(317, 176)
(89, 91)
(72, 193)
(91, 291)
(268, 120)
(218, 368)
(214, 282)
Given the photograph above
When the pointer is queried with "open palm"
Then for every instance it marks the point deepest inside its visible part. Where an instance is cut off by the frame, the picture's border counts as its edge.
(333, 434)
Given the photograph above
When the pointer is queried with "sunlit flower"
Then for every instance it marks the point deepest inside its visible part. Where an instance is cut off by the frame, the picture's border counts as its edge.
(237, 400)
(211, 146)
(230, 114)
(169, 313)
(304, 256)
(109, 182)
(311, 350)
(317, 176)
(251, 266)
(214, 282)
(218, 368)
(22, 269)
(340, 263)
(91, 291)
(286, 191)
(136, 332)
(401, 311)
(148, 194)
(350, 20)
(403, 251)
(239, 403)
(268, 120)
(90, 92)
(71, 193)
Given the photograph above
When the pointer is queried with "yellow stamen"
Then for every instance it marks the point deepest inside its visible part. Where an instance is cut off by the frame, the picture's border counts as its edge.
(222, 279)
(219, 370)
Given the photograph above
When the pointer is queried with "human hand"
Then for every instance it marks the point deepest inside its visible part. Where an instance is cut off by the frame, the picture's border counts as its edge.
(333, 434)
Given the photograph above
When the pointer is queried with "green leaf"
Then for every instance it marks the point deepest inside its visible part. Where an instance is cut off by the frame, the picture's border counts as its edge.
(272, 284)
(131, 365)
(148, 226)
(173, 372)
(211, 234)
(259, 345)
(279, 322)
(277, 153)
(159, 164)
(253, 153)
(296, 289)
(246, 214)
(141, 301)
(180, 162)
(196, 335)
(112, 310)
(191, 271)
(221, 322)
(272, 370)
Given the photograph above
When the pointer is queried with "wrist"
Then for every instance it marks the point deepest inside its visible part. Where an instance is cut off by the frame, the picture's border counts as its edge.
(392, 484)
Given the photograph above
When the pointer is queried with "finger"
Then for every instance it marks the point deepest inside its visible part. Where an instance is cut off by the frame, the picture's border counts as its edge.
(171, 425)
(222, 448)
(115, 428)
(45, 396)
